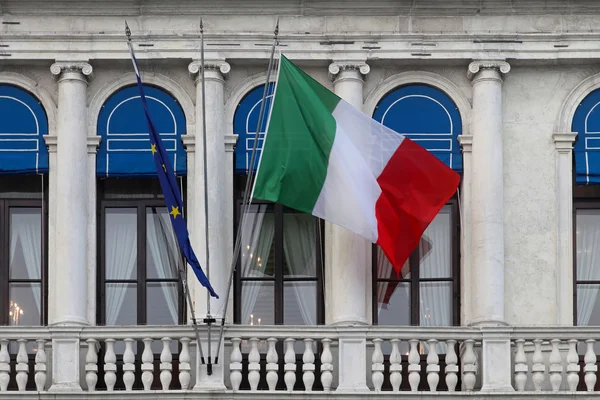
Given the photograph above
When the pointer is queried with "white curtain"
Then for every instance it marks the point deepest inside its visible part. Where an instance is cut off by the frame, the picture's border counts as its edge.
(121, 257)
(299, 245)
(162, 246)
(257, 238)
(26, 228)
(588, 258)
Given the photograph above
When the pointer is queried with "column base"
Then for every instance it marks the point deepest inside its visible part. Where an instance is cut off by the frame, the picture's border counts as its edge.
(488, 322)
(68, 321)
(349, 321)
(65, 387)
(494, 388)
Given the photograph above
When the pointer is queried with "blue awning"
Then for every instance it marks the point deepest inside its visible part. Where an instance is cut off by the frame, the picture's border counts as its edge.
(427, 116)
(586, 122)
(125, 147)
(23, 123)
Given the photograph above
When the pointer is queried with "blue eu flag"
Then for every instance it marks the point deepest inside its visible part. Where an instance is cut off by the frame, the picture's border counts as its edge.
(168, 184)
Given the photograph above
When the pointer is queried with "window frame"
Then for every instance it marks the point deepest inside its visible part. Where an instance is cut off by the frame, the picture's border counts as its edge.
(279, 280)
(141, 280)
(415, 279)
(23, 202)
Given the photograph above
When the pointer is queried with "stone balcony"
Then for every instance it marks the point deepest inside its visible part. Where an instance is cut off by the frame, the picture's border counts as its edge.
(302, 362)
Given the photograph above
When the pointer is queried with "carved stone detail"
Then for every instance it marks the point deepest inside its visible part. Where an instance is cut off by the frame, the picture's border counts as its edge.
(337, 66)
(62, 66)
(219, 65)
(476, 66)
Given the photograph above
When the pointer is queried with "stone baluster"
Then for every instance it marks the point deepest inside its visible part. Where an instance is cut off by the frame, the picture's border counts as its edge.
(235, 364)
(538, 368)
(556, 367)
(91, 365)
(40, 365)
(377, 368)
(4, 365)
(326, 365)
(573, 366)
(147, 364)
(184, 364)
(414, 365)
(590, 365)
(433, 367)
(451, 366)
(272, 366)
(110, 366)
(128, 365)
(520, 366)
(308, 365)
(395, 366)
(22, 366)
(469, 360)
(165, 364)
(290, 364)
(253, 364)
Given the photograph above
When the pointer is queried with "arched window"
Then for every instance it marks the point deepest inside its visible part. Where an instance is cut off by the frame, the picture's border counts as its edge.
(138, 254)
(23, 209)
(426, 292)
(279, 278)
(586, 122)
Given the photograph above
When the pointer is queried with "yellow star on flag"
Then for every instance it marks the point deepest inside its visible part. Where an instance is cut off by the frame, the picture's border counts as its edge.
(153, 147)
(175, 212)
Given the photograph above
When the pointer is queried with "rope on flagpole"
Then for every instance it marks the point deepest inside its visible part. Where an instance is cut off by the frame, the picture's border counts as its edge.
(246, 201)
(180, 266)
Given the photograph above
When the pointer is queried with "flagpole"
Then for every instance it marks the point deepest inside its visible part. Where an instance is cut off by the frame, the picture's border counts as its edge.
(209, 320)
(246, 198)
(180, 268)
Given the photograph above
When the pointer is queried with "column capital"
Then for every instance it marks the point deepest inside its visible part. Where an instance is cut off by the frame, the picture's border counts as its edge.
(564, 141)
(466, 141)
(92, 144)
(216, 69)
(81, 67)
(51, 141)
(477, 65)
(348, 65)
(189, 142)
(230, 141)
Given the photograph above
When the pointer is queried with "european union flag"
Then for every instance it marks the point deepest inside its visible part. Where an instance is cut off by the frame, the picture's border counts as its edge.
(168, 184)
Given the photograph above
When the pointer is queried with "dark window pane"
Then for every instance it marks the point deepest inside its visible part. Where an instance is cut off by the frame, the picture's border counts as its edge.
(435, 303)
(393, 303)
(121, 304)
(299, 245)
(162, 303)
(300, 303)
(121, 243)
(25, 246)
(257, 243)
(258, 299)
(162, 253)
(435, 247)
(24, 304)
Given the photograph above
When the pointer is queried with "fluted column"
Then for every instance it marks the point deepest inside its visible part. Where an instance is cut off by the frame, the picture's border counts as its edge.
(564, 198)
(71, 224)
(218, 267)
(487, 238)
(487, 222)
(348, 260)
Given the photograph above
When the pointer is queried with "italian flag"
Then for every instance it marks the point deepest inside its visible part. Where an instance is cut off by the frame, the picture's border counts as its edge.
(324, 157)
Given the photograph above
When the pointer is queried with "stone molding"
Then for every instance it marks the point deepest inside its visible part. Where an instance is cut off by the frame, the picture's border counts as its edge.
(564, 141)
(162, 81)
(476, 66)
(466, 142)
(230, 141)
(92, 144)
(572, 101)
(51, 142)
(220, 66)
(337, 66)
(71, 66)
(189, 142)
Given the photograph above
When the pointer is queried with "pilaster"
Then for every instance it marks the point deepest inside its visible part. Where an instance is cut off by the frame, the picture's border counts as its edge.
(564, 205)
(92, 147)
(52, 144)
(466, 142)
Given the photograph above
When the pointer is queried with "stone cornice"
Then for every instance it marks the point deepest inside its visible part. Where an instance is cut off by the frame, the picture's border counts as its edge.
(92, 144)
(466, 141)
(348, 65)
(189, 142)
(230, 141)
(564, 141)
(51, 142)
(71, 66)
(478, 65)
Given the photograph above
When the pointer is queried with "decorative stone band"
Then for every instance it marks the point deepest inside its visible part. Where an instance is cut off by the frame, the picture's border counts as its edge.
(564, 141)
(71, 66)
(218, 68)
(476, 66)
(337, 66)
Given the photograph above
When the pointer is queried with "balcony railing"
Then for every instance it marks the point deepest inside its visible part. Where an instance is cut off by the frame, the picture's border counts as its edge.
(262, 359)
